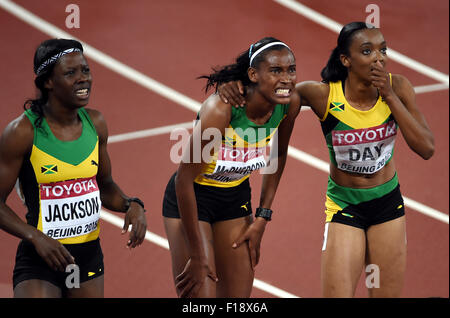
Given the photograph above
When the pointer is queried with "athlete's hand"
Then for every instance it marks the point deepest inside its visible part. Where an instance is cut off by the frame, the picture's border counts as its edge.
(253, 235)
(232, 93)
(52, 252)
(380, 79)
(136, 217)
(192, 278)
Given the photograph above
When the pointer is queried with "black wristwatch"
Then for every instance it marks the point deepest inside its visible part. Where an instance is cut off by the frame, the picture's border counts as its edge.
(264, 213)
(137, 200)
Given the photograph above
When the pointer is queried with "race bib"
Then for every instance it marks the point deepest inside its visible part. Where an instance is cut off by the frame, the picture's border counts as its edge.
(364, 151)
(70, 208)
(234, 163)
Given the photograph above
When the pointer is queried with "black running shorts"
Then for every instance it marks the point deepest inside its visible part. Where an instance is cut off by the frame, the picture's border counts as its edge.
(214, 204)
(29, 265)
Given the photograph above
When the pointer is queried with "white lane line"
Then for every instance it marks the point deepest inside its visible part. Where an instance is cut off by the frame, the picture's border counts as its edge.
(162, 242)
(426, 210)
(336, 27)
(146, 81)
(430, 88)
(309, 159)
(273, 290)
(149, 236)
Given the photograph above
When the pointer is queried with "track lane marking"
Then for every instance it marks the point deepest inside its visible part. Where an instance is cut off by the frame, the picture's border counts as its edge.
(148, 132)
(430, 88)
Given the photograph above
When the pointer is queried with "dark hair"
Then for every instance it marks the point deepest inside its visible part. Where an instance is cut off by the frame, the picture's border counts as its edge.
(238, 70)
(44, 51)
(334, 70)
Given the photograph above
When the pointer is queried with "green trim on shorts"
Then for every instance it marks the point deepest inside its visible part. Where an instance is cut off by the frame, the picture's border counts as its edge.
(344, 196)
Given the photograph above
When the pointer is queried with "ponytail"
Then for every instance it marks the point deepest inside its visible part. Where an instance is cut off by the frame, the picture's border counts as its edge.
(238, 70)
(37, 105)
(334, 70)
(229, 73)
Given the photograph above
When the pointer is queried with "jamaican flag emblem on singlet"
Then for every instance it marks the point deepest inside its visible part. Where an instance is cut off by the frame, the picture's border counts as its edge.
(337, 107)
(229, 141)
(49, 169)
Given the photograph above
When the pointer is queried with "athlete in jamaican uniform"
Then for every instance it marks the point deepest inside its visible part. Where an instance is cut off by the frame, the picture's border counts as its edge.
(207, 205)
(360, 142)
(59, 187)
(361, 108)
(57, 151)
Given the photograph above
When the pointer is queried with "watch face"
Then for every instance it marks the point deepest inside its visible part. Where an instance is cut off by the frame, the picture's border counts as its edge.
(264, 213)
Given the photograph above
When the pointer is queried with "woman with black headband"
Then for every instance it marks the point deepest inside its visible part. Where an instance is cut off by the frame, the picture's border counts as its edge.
(213, 239)
(361, 107)
(57, 151)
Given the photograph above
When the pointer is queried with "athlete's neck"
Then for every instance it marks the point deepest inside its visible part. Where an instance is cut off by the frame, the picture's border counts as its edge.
(359, 93)
(57, 113)
(259, 109)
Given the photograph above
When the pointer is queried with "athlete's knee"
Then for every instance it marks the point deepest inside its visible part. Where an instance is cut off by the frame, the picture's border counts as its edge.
(34, 288)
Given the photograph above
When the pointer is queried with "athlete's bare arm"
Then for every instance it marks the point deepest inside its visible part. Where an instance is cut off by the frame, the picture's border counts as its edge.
(216, 115)
(270, 182)
(315, 95)
(401, 99)
(111, 195)
(15, 143)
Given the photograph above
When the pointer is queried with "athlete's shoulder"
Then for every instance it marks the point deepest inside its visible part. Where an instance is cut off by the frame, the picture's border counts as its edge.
(94, 114)
(313, 92)
(294, 105)
(214, 107)
(20, 127)
(315, 95)
(313, 87)
(402, 87)
(295, 98)
(99, 122)
(96, 117)
(400, 82)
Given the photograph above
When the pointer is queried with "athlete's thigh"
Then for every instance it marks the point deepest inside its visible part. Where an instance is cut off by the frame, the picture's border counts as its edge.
(343, 255)
(36, 288)
(386, 249)
(93, 288)
(233, 265)
(179, 250)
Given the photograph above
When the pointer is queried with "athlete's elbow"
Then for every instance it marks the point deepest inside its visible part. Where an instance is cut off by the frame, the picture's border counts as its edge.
(428, 151)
